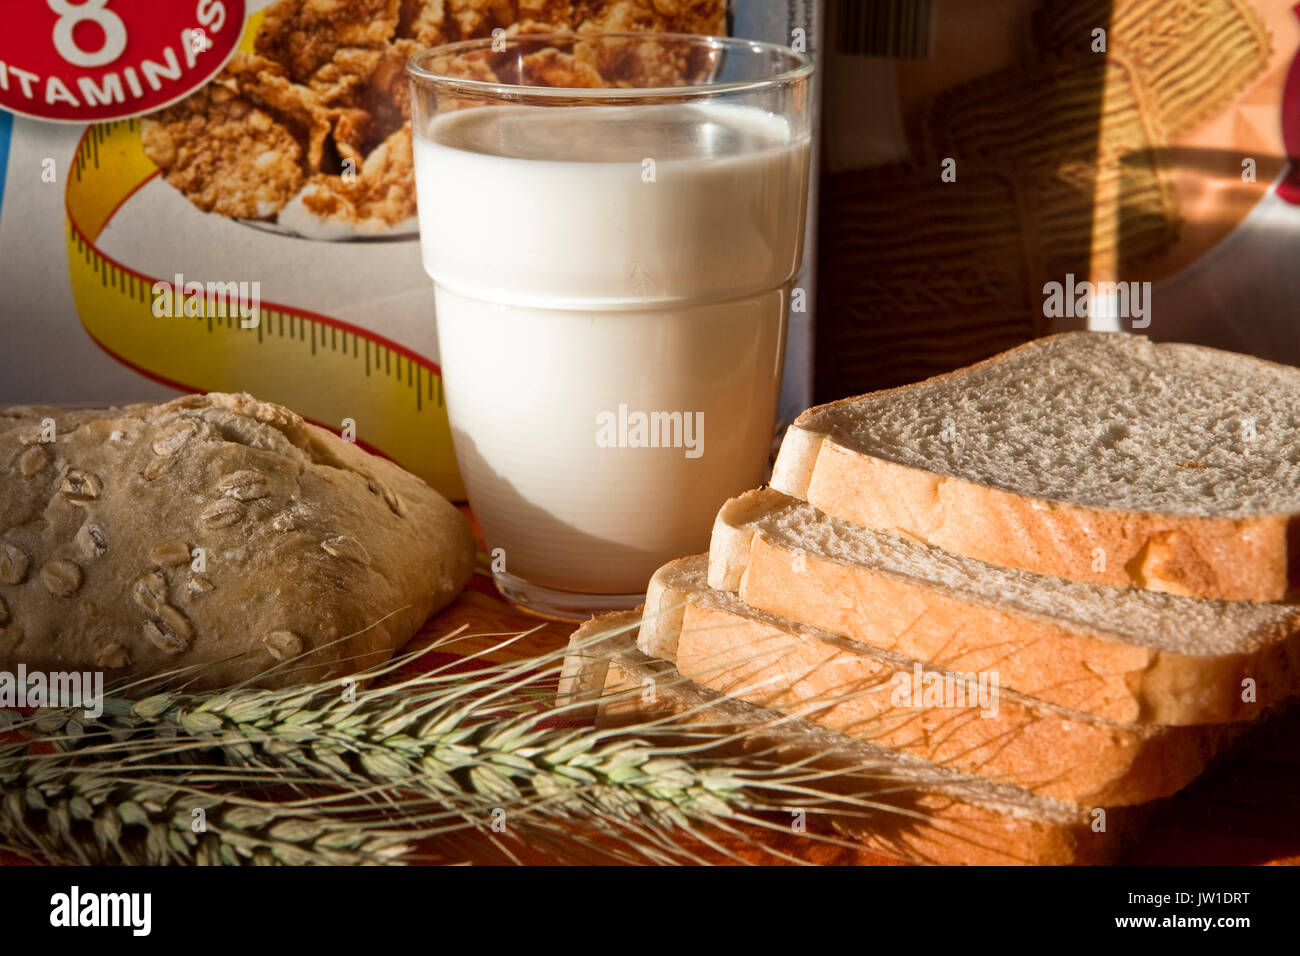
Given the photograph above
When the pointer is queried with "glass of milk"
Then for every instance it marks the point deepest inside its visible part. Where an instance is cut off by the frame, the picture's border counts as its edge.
(613, 224)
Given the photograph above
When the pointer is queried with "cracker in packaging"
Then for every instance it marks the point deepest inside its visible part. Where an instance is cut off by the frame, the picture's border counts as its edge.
(1195, 57)
(1146, 142)
(954, 272)
(1082, 137)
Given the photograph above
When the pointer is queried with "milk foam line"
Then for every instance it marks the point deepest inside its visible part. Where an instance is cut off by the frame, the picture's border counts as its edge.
(324, 368)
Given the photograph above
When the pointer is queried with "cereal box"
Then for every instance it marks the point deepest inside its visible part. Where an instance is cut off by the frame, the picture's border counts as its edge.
(218, 195)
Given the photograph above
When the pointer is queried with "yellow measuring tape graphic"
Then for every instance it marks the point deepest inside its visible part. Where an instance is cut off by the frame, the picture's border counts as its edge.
(325, 369)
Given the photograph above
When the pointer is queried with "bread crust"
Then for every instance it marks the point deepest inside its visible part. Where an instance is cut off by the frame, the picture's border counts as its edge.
(1231, 559)
(1236, 559)
(1060, 662)
(946, 818)
(1040, 748)
(216, 535)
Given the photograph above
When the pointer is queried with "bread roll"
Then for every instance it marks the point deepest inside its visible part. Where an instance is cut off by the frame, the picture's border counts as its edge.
(216, 535)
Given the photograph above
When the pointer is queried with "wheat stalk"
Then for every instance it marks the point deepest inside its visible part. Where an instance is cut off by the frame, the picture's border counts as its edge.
(429, 756)
(70, 815)
(394, 740)
(412, 737)
(630, 788)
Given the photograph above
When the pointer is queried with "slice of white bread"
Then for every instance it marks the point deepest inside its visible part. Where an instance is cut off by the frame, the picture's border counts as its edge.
(879, 696)
(941, 816)
(1095, 456)
(1127, 654)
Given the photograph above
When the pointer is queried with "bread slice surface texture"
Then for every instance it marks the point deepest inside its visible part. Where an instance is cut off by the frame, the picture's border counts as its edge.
(1099, 457)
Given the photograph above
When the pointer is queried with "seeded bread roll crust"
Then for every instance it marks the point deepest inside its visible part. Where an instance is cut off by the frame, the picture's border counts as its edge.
(216, 534)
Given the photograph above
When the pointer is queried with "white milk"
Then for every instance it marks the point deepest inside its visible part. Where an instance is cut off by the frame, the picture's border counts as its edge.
(591, 308)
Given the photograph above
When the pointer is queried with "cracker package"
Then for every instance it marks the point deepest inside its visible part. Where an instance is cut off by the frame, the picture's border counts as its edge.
(1009, 169)
(219, 195)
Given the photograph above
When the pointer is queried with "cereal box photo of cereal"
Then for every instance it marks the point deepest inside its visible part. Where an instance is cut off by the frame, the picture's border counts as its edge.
(312, 126)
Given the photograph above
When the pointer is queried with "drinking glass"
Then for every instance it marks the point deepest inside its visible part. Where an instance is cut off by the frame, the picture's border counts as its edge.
(613, 223)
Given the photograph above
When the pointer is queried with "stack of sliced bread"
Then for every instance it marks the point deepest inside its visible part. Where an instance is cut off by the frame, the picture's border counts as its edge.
(1050, 589)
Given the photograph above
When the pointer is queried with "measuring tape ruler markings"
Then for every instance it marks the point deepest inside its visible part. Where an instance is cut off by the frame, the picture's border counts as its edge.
(335, 370)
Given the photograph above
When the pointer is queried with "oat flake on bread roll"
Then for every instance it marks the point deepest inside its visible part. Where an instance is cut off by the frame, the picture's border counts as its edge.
(305, 539)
